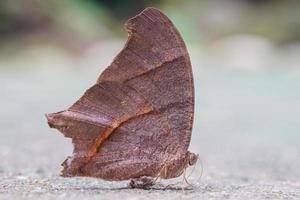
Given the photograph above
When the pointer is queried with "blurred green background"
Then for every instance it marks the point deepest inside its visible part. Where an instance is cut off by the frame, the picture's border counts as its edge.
(200, 21)
(77, 24)
(246, 63)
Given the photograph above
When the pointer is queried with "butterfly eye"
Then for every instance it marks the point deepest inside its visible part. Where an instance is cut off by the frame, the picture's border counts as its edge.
(193, 158)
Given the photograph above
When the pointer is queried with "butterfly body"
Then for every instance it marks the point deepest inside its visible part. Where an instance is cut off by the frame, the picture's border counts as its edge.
(136, 121)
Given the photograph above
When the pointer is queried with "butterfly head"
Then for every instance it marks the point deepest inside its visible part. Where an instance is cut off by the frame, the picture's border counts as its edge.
(177, 165)
(192, 158)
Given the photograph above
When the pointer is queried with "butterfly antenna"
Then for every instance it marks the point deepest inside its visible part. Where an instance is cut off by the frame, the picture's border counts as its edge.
(201, 172)
(185, 178)
(190, 174)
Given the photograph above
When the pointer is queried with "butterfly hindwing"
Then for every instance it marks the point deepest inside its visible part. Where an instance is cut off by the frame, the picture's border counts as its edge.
(137, 119)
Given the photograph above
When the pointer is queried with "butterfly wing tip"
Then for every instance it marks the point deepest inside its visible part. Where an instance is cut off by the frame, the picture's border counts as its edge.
(50, 119)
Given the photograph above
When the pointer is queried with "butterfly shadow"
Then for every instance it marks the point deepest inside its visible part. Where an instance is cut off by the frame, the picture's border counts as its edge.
(96, 189)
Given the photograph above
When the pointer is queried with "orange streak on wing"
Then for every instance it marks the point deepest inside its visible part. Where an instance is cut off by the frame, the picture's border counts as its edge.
(114, 125)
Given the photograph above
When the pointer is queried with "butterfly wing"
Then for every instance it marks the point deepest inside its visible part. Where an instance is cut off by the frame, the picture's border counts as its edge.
(139, 114)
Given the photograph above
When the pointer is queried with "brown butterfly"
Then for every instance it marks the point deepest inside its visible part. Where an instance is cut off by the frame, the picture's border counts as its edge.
(136, 121)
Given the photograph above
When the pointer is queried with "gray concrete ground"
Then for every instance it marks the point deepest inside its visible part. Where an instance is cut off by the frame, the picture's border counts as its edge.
(246, 133)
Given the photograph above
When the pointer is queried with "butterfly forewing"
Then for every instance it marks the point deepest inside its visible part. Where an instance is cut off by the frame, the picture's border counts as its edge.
(138, 117)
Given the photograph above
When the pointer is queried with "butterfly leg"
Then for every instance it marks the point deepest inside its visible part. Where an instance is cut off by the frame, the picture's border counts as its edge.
(143, 182)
